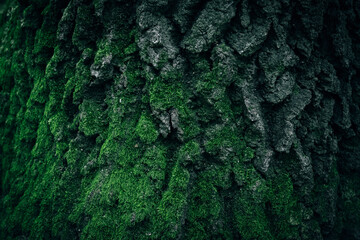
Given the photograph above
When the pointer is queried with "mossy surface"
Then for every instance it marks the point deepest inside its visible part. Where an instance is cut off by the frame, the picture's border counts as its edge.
(179, 120)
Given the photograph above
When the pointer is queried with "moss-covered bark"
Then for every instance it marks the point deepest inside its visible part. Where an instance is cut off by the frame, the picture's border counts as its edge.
(189, 119)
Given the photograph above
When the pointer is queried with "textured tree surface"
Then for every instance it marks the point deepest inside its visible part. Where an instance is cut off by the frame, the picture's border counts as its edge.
(180, 119)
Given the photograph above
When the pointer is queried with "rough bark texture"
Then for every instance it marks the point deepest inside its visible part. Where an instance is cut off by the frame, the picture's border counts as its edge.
(189, 119)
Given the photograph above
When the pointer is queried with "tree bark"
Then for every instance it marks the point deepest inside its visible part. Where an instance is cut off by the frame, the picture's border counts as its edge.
(189, 119)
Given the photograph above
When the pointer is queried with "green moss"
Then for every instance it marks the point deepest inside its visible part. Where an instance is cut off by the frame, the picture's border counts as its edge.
(146, 130)
(190, 128)
(283, 207)
(280, 194)
(57, 123)
(249, 210)
(44, 40)
(190, 153)
(207, 79)
(172, 206)
(132, 48)
(221, 176)
(85, 27)
(153, 164)
(266, 210)
(122, 146)
(45, 36)
(350, 202)
(205, 209)
(165, 95)
(92, 118)
(322, 192)
(224, 137)
(78, 83)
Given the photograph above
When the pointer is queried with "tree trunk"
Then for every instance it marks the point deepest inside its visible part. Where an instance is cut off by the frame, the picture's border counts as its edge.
(189, 119)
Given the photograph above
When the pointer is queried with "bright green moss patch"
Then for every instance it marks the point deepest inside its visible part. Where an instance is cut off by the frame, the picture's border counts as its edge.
(146, 129)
